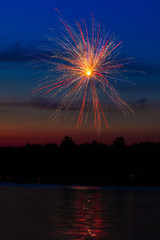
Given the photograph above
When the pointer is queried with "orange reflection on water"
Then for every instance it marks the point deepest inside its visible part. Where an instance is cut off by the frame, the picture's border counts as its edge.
(89, 221)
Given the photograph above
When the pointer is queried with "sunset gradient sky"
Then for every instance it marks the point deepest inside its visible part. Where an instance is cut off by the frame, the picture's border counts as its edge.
(24, 25)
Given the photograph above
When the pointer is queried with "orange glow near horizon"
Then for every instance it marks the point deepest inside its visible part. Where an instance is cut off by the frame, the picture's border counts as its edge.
(22, 125)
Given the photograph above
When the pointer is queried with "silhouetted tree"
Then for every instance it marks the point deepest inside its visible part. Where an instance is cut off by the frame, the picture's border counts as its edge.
(67, 142)
(94, 163)
(119, 142)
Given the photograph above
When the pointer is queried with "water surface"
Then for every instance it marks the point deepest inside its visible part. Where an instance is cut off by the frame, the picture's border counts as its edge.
(46, 212)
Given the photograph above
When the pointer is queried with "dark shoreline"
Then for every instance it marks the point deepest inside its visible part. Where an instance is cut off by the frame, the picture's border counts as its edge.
(79, 187)
(94, 164)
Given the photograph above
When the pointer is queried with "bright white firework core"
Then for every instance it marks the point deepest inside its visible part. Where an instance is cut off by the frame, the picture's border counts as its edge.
(88, 73)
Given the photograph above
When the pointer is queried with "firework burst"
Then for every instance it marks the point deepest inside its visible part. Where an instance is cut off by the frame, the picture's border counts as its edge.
(81, 72)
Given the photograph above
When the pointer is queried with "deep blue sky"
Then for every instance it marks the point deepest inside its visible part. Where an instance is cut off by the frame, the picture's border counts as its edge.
(24, 24)
(135, 22)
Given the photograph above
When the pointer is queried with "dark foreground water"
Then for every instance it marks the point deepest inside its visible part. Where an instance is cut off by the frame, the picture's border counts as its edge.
(45, 213)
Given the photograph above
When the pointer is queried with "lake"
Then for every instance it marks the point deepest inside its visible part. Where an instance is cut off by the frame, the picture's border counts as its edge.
(45, 212)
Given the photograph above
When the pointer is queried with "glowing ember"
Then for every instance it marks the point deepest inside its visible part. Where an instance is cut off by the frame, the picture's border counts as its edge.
(88, 72)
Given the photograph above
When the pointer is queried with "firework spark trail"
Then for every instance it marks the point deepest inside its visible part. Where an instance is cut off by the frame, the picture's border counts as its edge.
(85, 62)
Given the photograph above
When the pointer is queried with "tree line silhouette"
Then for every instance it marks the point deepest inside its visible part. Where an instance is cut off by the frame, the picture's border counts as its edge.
(85, 164)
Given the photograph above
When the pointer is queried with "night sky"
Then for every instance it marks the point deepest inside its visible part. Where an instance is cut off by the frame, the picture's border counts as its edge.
(24, 25)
